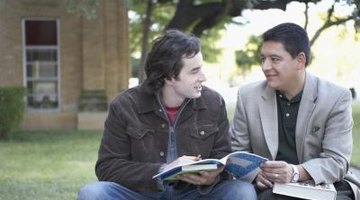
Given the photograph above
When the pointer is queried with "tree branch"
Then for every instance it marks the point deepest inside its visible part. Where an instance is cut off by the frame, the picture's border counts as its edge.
(328, 23)
(187, 14)
(306, 13)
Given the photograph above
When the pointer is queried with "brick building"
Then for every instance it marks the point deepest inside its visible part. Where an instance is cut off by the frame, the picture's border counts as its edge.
(72, 66)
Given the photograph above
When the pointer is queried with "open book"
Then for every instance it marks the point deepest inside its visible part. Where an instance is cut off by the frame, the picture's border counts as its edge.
(240, 164)
(306, 190)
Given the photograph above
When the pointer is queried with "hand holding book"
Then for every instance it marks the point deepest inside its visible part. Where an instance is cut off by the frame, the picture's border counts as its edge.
(240, 164)
(181, 161)
(202, 177)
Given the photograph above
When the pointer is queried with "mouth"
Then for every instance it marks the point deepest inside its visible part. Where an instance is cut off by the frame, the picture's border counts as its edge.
(198, 88)
(270, 75)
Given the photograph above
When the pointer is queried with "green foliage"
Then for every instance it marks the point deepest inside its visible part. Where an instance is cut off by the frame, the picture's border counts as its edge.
(11, 109)
(208, 43)
(85, 8)
(161, 16)
(355, 159)
(164, 11)
(135, 63)
(250, 55)
(356, 13)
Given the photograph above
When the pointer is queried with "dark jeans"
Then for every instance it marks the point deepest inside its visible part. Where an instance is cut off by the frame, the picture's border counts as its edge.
(343, 190)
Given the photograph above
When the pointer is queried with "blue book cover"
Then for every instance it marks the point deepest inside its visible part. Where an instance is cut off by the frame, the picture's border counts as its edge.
(240, 164)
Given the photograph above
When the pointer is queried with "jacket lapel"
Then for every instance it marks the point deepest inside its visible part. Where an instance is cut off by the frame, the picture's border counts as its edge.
(268, 114)
(307, 106)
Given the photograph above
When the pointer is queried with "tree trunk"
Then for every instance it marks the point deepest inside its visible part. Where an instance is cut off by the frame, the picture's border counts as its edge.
(145, 39)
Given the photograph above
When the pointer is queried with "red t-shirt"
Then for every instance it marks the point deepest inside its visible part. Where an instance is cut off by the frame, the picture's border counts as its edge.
(171, 112)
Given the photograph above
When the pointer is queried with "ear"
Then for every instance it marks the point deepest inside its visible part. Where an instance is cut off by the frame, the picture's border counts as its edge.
(169, 81)
(301, 59)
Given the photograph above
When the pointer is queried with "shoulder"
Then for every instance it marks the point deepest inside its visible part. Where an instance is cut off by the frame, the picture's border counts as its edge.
(130, 95)
(251, 89)
(211, 97)
(210, 93)
(330, 89)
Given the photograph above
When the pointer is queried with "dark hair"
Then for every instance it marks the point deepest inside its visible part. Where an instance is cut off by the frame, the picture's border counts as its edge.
(292, 36)
(164, 61)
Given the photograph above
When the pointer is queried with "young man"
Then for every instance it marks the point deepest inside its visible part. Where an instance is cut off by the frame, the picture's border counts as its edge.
(154, 126)
(301, 123)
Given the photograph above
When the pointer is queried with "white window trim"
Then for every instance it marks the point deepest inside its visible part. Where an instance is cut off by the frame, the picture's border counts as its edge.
(24, 48)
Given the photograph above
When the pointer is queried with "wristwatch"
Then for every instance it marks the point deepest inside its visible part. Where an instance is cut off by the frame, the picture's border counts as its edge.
(295, 175)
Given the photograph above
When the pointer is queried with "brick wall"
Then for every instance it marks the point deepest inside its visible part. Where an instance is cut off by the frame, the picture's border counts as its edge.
(93, 53)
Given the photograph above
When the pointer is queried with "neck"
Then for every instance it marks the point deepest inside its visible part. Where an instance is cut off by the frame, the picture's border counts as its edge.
(296, 88)
(170, 98)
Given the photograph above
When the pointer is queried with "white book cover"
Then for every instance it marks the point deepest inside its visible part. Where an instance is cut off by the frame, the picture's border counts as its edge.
(306, 190)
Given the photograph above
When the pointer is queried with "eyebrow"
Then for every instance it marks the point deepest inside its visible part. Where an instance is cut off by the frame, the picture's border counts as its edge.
(196, 68)
(275, 55)
(271, 55)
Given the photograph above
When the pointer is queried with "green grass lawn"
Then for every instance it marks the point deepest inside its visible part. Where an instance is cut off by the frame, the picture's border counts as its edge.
(45, 165)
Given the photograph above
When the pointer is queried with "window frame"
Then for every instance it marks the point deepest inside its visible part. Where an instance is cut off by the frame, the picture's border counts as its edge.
(57, 78)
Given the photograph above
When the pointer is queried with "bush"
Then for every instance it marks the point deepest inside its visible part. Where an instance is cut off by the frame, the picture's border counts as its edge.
(11, 109)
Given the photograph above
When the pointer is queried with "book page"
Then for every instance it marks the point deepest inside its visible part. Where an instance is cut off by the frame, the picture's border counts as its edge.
(307, 190)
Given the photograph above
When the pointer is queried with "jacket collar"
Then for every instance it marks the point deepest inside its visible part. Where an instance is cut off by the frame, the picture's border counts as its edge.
(268, 112)
(307, 106)
(148, 101)
(309, 92)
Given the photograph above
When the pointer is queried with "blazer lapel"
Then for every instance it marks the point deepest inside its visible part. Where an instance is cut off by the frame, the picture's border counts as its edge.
(307, 106)
(269, 118)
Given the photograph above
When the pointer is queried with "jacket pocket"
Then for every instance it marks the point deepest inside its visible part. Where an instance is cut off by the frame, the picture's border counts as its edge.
(201, 139)
(138, 133)
(314, 139)
(142, 143)
(204, 131)
(315, 129)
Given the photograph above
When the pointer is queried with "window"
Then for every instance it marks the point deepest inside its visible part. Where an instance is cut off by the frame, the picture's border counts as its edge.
(41, 62)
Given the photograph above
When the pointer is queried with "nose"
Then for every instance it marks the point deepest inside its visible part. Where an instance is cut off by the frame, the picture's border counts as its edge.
(202, 76)
(266, 64)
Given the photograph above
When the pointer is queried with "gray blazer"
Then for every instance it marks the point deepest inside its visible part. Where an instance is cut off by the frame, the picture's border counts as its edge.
(323, 130)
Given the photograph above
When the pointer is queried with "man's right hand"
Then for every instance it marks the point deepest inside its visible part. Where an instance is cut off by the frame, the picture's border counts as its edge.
(181, 161)
(261, 182)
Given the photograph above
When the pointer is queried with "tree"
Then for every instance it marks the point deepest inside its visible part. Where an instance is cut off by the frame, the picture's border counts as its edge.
(249, 57)
(199, 17)
(145, 39)
(332, 20)
(205, 18)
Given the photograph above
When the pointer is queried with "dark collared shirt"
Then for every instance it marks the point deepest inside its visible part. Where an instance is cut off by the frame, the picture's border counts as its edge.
(287, 117)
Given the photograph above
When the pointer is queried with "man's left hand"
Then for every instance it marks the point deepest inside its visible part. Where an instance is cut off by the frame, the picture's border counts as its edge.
(277, 171)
